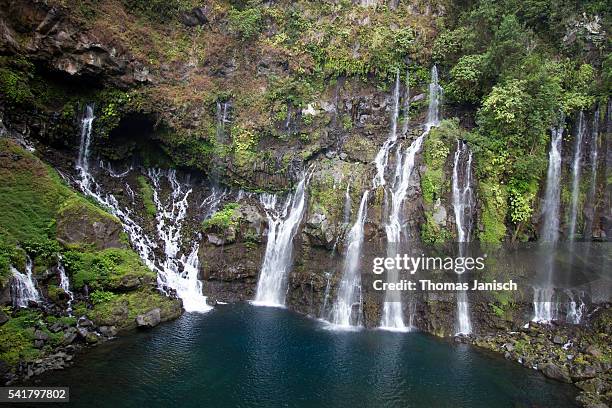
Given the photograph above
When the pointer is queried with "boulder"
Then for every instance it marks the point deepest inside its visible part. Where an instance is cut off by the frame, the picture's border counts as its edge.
(195, 17)
(85, 322)
(82, 332)
(555, 372)
(41, 335)
(56, 327)
(91, 338)
(579, 373)
(149, 319)
(108, 331)
(70, 335)
(558, 340)
(80, 223)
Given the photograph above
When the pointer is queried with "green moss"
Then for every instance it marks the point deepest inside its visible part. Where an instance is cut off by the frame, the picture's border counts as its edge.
(121, 310)
(15, 86)
(432, 233)
(33, 197)
(436, 149)
(223, 219)
(101, 296)
(146, 192)
(17, 337)
(494, 207)
(245, 23)
(112, 268)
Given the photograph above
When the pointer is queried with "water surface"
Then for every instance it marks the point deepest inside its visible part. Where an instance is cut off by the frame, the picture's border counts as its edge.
(246, 356)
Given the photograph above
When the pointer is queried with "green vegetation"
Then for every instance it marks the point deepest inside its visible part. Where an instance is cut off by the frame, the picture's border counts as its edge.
(30, 195)
(436, 149)
(162, 11)
(34, 205)
(146, 192)
(17, 337)
(223, 219)
(121, 309)
(519, 76)
(101, 296)
(245, 23)
(112, 268)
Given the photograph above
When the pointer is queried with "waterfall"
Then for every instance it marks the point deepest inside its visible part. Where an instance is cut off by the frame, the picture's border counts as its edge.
(176, 273)
(382, 157)
(550, 206)
(223, 118)
(588, 226)
(543, 295)
(82, 164)
(348, 204)
(322, 312)
(463, 204)
(23, 286)
(282, 227)
(213, 200)
(349, 291)
(392, 317)
(435, 96)
(576, 307)
(65, 284)
(463, 199)
(406, 122)
(576, 167)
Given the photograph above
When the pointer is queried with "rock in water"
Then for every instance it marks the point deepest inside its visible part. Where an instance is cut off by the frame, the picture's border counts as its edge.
(150, 319)
(555, 372)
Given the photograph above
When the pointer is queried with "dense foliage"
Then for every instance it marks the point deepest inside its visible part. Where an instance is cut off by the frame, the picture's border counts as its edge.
(521, 65)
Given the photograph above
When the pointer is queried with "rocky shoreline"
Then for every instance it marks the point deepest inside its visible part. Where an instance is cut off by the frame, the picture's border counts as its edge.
(76, 339)
(578, 355)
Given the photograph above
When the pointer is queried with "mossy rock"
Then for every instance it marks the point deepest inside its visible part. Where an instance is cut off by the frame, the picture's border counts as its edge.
(80, 223)
(121, 310)
(110, 269)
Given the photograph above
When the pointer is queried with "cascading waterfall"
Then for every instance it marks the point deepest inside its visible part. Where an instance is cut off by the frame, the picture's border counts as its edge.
(588, 227)
(23, 286)
(551, 204)
(211, 203)
(322, 312)
(576, 307)
(392, 316)
(576, 168)
(282, 227)
(463, 203)
(82, 164)
(223, 118)
(435, 96)
(348, 204)
(382, 157)
(406, 122)
(177, 273)
(65, 284)
(463, 199)
(172, 272)
(543, 295)
(349, 291)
